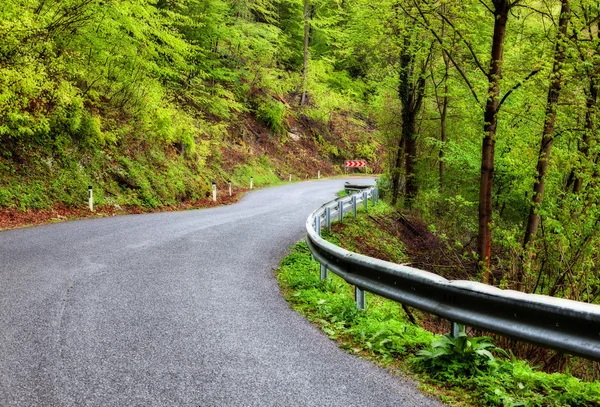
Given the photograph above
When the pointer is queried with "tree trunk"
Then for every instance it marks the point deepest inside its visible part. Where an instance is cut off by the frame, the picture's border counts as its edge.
(584, 147)
(396, 172)
(548, 131)
(443, 108)
(443, 114)
(410, 153)
(305, 63)
(411, 90)
(484, 238)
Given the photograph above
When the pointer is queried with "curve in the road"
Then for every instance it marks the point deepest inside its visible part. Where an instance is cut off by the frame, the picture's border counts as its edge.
(173, 309)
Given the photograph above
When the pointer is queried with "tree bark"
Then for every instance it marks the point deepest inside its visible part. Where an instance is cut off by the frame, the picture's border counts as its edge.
(396, 171)
(411, 90)
(548, 131)
(484, 238)
(584, 145)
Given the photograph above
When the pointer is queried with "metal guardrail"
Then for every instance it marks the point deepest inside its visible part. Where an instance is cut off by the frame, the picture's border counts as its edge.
(568, 326)
(350, 188)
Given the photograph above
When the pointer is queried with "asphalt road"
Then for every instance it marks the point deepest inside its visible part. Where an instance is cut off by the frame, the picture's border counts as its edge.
(173, 309)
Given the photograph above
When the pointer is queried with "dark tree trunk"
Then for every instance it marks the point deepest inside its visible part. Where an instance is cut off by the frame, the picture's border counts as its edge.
(584, 145)
(484, 238)
(396, 171)
(548, 131)
(411, 91)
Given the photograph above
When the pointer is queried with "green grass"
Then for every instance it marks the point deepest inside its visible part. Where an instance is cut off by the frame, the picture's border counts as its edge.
(463, 371)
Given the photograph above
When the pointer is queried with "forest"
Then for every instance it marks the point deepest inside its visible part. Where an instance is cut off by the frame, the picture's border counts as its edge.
(482, 115)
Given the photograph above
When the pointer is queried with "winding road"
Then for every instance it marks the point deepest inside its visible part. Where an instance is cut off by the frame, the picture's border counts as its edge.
(174, 309)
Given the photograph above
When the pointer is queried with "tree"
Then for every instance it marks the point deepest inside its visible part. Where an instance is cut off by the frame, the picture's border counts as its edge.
(556, 77)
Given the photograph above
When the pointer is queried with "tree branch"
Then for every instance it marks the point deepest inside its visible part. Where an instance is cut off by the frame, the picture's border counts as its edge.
(517, 86)
(469, 47)
(486, 6)
(439, 40)
(537, 11)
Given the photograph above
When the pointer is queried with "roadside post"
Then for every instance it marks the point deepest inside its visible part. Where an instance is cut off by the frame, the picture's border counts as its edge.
(91, 198)
(251, 182)
(230, 188)
(359, 297)
(214, 191)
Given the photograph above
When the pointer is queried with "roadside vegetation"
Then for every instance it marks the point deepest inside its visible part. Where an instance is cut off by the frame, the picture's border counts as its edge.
(467, 370)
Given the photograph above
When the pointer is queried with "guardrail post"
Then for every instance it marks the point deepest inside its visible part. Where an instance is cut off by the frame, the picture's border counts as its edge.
(366, 200)
(354, 205)
(455, 329)
(373, 198)
(328, 218)
(318, 225)
(359, 296)
(323, 272)
(340, 211)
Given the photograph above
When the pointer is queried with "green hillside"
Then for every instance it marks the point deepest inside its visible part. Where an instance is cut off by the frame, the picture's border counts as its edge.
(151, 101)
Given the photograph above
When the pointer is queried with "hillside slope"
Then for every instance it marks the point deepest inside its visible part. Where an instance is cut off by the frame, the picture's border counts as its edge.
(149, 102)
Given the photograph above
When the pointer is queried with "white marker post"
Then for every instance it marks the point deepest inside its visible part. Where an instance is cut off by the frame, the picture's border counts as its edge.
(319, 174)
(251, 182)
(290, 177)
(214, 191)
(91, 198)
(230, 188)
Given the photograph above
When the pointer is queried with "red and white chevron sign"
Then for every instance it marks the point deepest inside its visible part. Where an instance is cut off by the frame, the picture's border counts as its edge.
(354, 163)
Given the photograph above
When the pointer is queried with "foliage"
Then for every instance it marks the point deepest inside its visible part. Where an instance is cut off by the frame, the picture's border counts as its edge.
(459, 357)
(272, 113)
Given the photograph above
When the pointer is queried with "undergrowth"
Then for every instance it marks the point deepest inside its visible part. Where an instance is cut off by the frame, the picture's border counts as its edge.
(462, 370)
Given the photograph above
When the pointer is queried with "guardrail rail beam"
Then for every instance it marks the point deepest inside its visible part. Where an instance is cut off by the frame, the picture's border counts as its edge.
(568, 326)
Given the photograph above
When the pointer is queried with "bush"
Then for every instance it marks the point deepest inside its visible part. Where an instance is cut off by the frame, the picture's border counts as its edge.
(272, 114)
